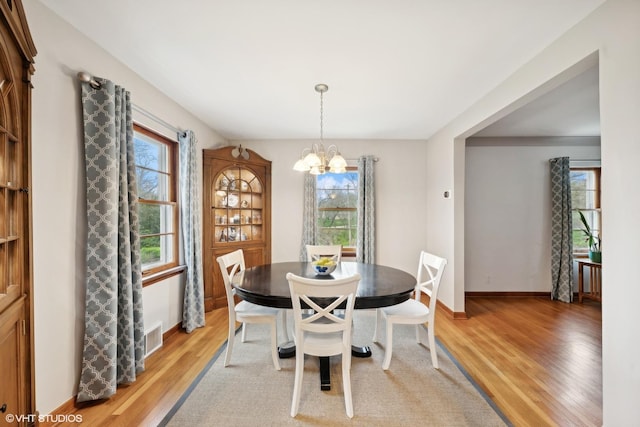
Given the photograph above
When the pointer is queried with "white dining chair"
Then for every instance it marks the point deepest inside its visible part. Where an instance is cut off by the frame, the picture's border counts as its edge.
(232, 264)
(413, 311)
(316, 251)
(322, 333)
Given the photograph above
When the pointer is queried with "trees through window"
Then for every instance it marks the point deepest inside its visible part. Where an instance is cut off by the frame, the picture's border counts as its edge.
(337, 198)
(156, 158)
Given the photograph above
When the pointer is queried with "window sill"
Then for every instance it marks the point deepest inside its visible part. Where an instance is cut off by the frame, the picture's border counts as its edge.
(162, 275)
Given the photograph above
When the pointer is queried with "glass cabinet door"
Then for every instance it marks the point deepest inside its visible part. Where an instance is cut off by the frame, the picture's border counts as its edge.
(237, 214)
(237, 204)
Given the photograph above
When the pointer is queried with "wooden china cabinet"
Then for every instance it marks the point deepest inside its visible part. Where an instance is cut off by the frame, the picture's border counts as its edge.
(16, 300)
(236, 213)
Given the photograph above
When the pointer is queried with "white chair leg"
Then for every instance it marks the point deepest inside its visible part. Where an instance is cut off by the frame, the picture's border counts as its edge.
(244, 332)
(432, 347)
(346, 382)
(274, 345)
(297, 383)
(418, 340)
(232, 334)
(376, 326)
(284, 326)
(388, 346)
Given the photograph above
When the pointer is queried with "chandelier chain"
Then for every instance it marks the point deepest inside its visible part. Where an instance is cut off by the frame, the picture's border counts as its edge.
(321, 117)
(319, 160)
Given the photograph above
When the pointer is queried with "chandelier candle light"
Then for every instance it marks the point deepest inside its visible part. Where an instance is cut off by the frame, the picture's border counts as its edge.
(316, 160)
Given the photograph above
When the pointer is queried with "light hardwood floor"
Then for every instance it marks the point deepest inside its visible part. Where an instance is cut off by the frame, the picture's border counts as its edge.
(540, 362)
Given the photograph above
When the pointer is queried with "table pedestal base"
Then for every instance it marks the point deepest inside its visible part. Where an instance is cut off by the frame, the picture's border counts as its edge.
(288, 350)
(363, 351)
(325, 374)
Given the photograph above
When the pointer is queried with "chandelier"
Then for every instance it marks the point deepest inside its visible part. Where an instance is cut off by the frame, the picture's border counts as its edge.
(316, 160)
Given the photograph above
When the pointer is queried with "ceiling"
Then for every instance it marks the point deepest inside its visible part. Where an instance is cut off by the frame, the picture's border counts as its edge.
(572, 109)
(395, 70)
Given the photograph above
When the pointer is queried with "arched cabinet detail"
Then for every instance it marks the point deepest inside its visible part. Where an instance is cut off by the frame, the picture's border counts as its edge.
(237, 214)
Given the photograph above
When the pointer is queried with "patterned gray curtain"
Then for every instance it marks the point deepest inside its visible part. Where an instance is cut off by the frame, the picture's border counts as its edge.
(309, 215)
(193, 306)
(366, 239)
(561, 231)
(114, 330)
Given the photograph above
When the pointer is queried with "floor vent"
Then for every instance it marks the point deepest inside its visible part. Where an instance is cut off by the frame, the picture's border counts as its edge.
(152, 339)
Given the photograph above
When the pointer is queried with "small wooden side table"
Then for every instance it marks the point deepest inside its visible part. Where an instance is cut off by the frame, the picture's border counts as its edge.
(595, 279)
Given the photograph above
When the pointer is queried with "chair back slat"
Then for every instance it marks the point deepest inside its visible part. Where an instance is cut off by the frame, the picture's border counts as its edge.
(322, 297)
(315, 252)
(234, 261)
(430, 269)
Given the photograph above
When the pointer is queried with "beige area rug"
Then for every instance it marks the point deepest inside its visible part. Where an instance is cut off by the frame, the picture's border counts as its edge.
(250, 392)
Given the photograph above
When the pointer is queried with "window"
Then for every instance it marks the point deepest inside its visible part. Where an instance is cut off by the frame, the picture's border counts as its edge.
(337, 197)
(156, 169)
(585, 197)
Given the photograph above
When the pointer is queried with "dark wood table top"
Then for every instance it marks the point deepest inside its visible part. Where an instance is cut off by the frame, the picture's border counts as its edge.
(380, 286)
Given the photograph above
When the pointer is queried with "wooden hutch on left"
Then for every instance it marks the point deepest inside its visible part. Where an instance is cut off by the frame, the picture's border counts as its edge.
(236, 213)
(17, 389)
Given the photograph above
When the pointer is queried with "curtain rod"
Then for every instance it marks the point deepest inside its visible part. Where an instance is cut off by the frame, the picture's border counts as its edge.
(156, 119)
(88, 78)
(571, 159)
(375, 159)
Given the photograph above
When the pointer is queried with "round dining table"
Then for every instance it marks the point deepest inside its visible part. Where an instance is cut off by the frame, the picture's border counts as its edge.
(379, 286)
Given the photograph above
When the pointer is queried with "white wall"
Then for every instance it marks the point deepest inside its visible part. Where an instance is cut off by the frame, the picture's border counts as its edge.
(401, 208)
(508, 210)
(613, 32)
(58, 198)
